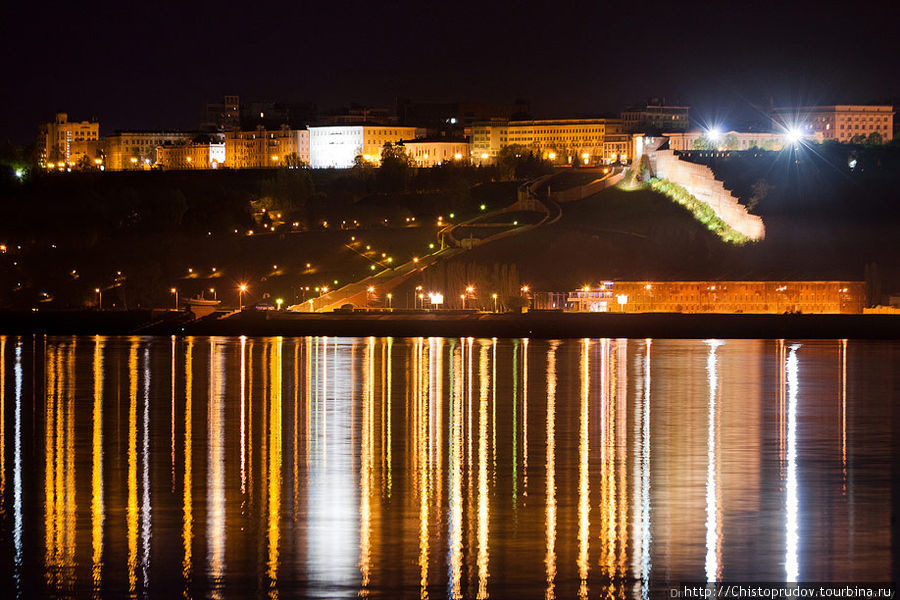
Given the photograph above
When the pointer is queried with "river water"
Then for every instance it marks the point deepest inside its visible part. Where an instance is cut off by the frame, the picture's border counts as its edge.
(434, 467)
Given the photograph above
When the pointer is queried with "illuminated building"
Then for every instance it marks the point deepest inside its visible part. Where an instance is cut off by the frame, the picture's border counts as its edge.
(67, 142)
(840, 122)
(266, 148)
(427, 153)
(205, 155)
(561, 141)
(816, 297)
(338, 146)
(135, 150)
(732, 140)
(656, 115)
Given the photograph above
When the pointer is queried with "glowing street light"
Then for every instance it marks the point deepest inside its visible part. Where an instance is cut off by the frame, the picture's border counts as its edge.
(241, 289)
(175, 291)
(99, 298)
(389, 296)
(494, 296)
(279, 302)
(713, 134)
(213, 292)
(793, 135)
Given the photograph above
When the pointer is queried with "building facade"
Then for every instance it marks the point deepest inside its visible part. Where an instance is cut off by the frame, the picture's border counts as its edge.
(561, 141)
(841, 123)
(338, 146)
(207, 155)
(656, 115)
(136, 150)
(64, 143)
(432, 153)
(732, 140)
(774, 297)
(263, 148)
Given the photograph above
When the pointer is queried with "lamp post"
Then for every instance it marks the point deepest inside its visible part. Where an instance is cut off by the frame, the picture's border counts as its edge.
(494, 296)
(99, 298)
(175, 291)
(369, 290)
(241, 289)
(470, 289)
(389, 296)
(213, 292)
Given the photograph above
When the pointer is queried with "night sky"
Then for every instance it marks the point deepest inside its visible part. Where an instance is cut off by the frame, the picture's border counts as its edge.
(145, 65)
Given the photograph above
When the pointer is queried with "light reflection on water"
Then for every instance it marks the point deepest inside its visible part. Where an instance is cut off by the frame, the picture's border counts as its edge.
(461, 468)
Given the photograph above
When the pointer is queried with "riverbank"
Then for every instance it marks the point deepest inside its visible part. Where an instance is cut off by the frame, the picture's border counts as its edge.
(456, 324)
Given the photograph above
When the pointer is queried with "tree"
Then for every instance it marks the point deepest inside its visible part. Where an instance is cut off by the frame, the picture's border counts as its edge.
(874, 139)
(293, 161)
(518, 162)
(758, 192)
(84, 163)
(730, 142)
(702, 143)
(395, 170)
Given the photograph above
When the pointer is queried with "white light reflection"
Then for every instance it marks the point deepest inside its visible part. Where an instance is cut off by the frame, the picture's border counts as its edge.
(712, 507)
(791, 559)
(335, 549)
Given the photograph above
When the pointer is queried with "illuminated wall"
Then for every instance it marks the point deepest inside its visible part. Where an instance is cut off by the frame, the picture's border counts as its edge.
(337, 147)
(814, 297)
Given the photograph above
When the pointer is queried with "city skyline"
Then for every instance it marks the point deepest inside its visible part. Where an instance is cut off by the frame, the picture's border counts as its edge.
(137, 71)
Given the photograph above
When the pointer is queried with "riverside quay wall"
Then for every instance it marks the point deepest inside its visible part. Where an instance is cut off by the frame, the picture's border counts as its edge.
(701, 183)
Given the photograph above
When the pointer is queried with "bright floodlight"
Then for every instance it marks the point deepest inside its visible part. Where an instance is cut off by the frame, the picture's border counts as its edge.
(713, 134)
(793, 135)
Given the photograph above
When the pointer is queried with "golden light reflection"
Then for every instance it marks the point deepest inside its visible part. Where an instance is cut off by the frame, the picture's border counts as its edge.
(483, 507)
(215, 470)
(2, 423)
(172, 371)
(243, 418)
(421, 457)
(550, 491)
(131, 509)
(843, 353)
(97, 503)
(455, 466)
(187, 526)
(275, 460)
(584, 492)
(365, 468)
(525, 417)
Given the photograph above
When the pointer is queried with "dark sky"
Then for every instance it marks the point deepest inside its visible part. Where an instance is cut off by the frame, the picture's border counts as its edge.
(145, 65)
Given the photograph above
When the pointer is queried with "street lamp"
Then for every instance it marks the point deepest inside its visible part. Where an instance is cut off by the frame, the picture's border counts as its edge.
(494, 296)
(99, 298)
(175, 291)
(369, 290)
(389, 296)
(241, 289)
(213, 292)
(279, 302)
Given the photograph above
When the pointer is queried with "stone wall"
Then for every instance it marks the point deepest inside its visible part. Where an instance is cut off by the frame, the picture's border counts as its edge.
(701, 183)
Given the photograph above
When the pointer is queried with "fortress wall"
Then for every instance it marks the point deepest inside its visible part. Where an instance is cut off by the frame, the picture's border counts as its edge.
(701, 183)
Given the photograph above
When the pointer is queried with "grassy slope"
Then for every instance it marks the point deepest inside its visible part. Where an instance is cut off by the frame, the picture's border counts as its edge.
(644, 235)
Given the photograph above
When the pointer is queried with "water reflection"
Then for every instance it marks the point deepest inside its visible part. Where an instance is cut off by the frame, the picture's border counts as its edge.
(331, 467)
